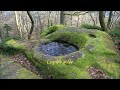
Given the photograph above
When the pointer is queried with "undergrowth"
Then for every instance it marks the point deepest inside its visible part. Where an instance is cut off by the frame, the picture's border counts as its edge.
(11, 47)
(88, 26)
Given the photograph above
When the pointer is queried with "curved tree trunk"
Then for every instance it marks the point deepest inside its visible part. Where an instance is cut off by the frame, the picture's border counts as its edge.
(92, 18)
(32, 24)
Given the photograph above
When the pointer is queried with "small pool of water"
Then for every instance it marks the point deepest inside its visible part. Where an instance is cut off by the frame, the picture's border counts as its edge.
(57, 48)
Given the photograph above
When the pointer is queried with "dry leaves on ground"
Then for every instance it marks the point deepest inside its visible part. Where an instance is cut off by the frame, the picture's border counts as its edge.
(96, 73)
(20, 58)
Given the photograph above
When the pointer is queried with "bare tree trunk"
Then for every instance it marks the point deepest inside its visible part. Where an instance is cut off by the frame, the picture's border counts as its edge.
(18, 23)
(102, 21)
(114, 20)
(26, 24)
(71, 20)
(62, 17)
(96, 20)
(32, 24)
(109, 19)
(49, 20)
(92, 18)
(82, 19)
(40, 23)
(51, 23)
(1, 30)
(0, 35)
(56, 18)
(78, 21)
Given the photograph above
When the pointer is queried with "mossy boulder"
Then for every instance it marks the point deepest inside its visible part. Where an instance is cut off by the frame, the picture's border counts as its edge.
(52, 29)
(77, 39)
(104, 54)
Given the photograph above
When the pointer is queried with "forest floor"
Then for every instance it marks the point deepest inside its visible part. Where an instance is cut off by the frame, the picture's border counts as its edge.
(10, 69)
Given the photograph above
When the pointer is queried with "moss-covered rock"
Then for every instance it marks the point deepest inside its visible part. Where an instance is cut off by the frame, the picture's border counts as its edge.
(104, 55)
(52, 29)
(12, 70)
(12, 47)
(74, 38)
(77, 39)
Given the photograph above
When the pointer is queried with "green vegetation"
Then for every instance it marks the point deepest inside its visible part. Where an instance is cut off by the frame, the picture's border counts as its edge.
(60, 45)
(104, 57)
(24, 73)
(7, 28)
(13, 70)
(88, 26)
(115, 33)
(16, 37)
(11, 47)
(74, 38)
(52, 29)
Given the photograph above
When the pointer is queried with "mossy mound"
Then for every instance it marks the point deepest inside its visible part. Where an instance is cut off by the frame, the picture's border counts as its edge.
(88, 26)
(52, 29)
(104, 55)
(77, 39)
(74, 38)
(11, 47)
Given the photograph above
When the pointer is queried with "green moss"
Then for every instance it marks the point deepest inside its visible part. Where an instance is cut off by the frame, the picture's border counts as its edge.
(12, 70)
(88, 26)
(112, 69)
(103, 57)
(29, 54)
(74, 38)
(15, 37)
(52, 29)
(25, 74)
(11, 47)
(115, 33)
(15, 44)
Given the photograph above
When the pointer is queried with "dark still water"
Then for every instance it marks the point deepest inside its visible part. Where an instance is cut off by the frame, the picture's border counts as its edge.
(57, 48)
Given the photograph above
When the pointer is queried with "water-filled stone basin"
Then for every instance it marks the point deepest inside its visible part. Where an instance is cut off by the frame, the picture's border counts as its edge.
(57, 48)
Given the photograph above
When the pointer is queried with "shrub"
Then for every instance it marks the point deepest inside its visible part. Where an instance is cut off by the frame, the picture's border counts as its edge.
(7, 28)
(17, 37)
(115, 33)
(88, 26)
